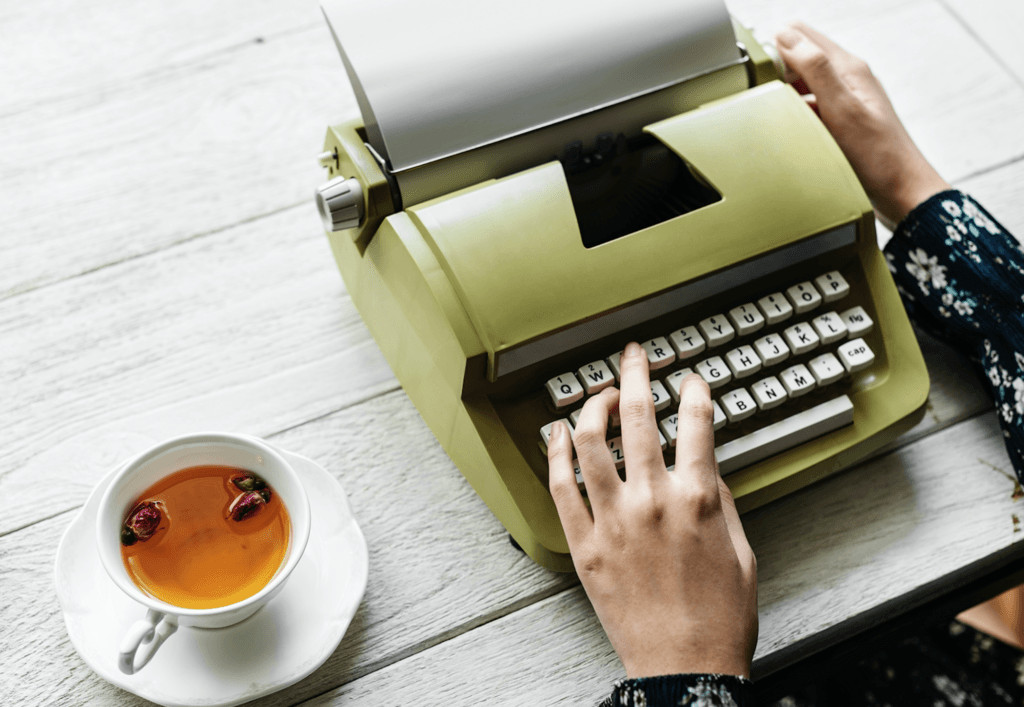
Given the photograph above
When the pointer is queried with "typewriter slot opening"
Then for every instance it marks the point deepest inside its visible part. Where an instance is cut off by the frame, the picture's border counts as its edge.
(622, 186)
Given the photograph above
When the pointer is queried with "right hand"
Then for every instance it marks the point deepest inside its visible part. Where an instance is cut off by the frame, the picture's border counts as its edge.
(853, 105)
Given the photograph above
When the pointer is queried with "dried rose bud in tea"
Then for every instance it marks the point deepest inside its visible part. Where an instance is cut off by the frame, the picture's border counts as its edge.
(246, 505)
(142, 522)
(248, 481)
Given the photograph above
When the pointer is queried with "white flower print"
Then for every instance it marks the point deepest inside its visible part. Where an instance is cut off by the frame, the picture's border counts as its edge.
(1018, 395)
(942, 310)
(1007, 378)
(1019, 359)
(953, 233)
(989, 352)
(972, 246)
(951, 208)
(993, 375)
(979, 218)
(890, 260)
(947, 298)
(960, 226)
(926, 269)
(963, 309)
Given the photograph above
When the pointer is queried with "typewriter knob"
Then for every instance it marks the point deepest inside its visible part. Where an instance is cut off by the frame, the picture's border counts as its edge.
(340, 203)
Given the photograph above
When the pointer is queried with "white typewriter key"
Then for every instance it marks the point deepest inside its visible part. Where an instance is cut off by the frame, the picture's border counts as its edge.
(545, 431)
(662, 441)
(675, 380)
(659, 353)
(718, 422)
(614, 363)
(746, 319)
(801, 338)
(687, 342)
(856, 355)
(857, 321)
(833, 286)
(661, 396)
(776, 308)
(714, 372)
(717, 330)
(784, 434)
(804, 297)
(772, 349)
(798, 380)
(829, 327)
(769, 393)
(615, 447)
(669, 428)
(743, 361)
(596, 377)
(826, 369)
(738, 405)
(565, 390)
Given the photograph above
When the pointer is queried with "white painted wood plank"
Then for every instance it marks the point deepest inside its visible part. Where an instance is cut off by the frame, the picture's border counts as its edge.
(440, 563)
(57, 48)
(997, 24)
(88, 180)
(840, 552)
(248, 330)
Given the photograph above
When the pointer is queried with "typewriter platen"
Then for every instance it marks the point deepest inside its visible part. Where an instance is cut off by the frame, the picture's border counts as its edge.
(504, 229)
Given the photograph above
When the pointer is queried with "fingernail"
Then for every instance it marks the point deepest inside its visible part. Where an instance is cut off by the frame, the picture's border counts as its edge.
(788, 38)
(558, 432)
(632, 349)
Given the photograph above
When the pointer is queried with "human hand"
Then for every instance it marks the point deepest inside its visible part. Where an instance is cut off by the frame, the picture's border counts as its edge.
(662, 555)
(855, 109)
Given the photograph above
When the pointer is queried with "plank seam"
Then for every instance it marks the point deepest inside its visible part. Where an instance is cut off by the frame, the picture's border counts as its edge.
(17, 291)
(978, 38)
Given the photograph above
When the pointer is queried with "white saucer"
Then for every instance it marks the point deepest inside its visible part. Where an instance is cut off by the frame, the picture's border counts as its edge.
(282, 643)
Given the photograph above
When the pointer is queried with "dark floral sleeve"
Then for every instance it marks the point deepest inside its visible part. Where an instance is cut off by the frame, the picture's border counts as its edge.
(961, 276)
(686, 690)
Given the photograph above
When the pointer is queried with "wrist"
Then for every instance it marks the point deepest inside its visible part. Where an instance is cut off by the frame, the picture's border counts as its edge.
(918, 185)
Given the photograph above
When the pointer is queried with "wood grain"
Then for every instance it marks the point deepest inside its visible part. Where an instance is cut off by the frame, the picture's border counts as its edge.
(996, 25)
(841, 554)
(440, 563)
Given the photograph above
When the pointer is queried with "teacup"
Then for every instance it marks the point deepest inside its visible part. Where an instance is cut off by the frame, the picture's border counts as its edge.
(207, 449)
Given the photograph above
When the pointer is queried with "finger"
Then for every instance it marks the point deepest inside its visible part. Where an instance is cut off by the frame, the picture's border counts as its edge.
(595, 459)
(572, 509)
(813, 64)
(640, 442)
(839, 56)
(744, 553)
(695, 437)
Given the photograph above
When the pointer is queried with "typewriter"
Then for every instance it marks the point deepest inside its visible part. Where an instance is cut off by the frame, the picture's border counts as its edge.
(521, 198)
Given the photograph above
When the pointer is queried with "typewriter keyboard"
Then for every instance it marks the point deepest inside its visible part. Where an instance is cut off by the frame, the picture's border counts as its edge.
(758, 358)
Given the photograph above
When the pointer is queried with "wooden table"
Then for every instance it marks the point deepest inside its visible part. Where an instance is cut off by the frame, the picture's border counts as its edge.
(163, 270)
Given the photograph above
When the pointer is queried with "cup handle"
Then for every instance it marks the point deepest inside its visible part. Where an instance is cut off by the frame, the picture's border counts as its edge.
(142, 640)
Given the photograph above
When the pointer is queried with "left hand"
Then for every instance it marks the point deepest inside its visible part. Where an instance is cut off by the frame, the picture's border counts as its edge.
(662, 555)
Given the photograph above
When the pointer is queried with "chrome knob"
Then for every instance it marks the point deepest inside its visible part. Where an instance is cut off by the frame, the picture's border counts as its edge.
(340, 203)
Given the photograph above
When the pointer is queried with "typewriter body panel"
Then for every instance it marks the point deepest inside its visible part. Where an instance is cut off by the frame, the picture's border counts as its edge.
(482, 287)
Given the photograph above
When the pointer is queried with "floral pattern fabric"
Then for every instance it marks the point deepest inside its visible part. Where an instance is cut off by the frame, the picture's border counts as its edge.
(683, 690)
(961, 276)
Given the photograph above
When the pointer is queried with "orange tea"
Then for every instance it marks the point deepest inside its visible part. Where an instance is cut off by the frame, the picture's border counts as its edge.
(205, 537)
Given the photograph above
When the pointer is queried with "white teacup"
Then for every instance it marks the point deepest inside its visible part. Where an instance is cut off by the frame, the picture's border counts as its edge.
(214, 449)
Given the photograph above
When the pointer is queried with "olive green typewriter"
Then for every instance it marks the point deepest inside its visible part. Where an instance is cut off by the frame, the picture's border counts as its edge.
(533, 185)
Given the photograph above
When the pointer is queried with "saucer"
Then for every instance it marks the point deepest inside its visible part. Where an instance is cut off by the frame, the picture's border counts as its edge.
(279, 645)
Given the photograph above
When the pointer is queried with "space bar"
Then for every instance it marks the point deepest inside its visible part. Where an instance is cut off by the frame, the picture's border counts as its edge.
(785, 434)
